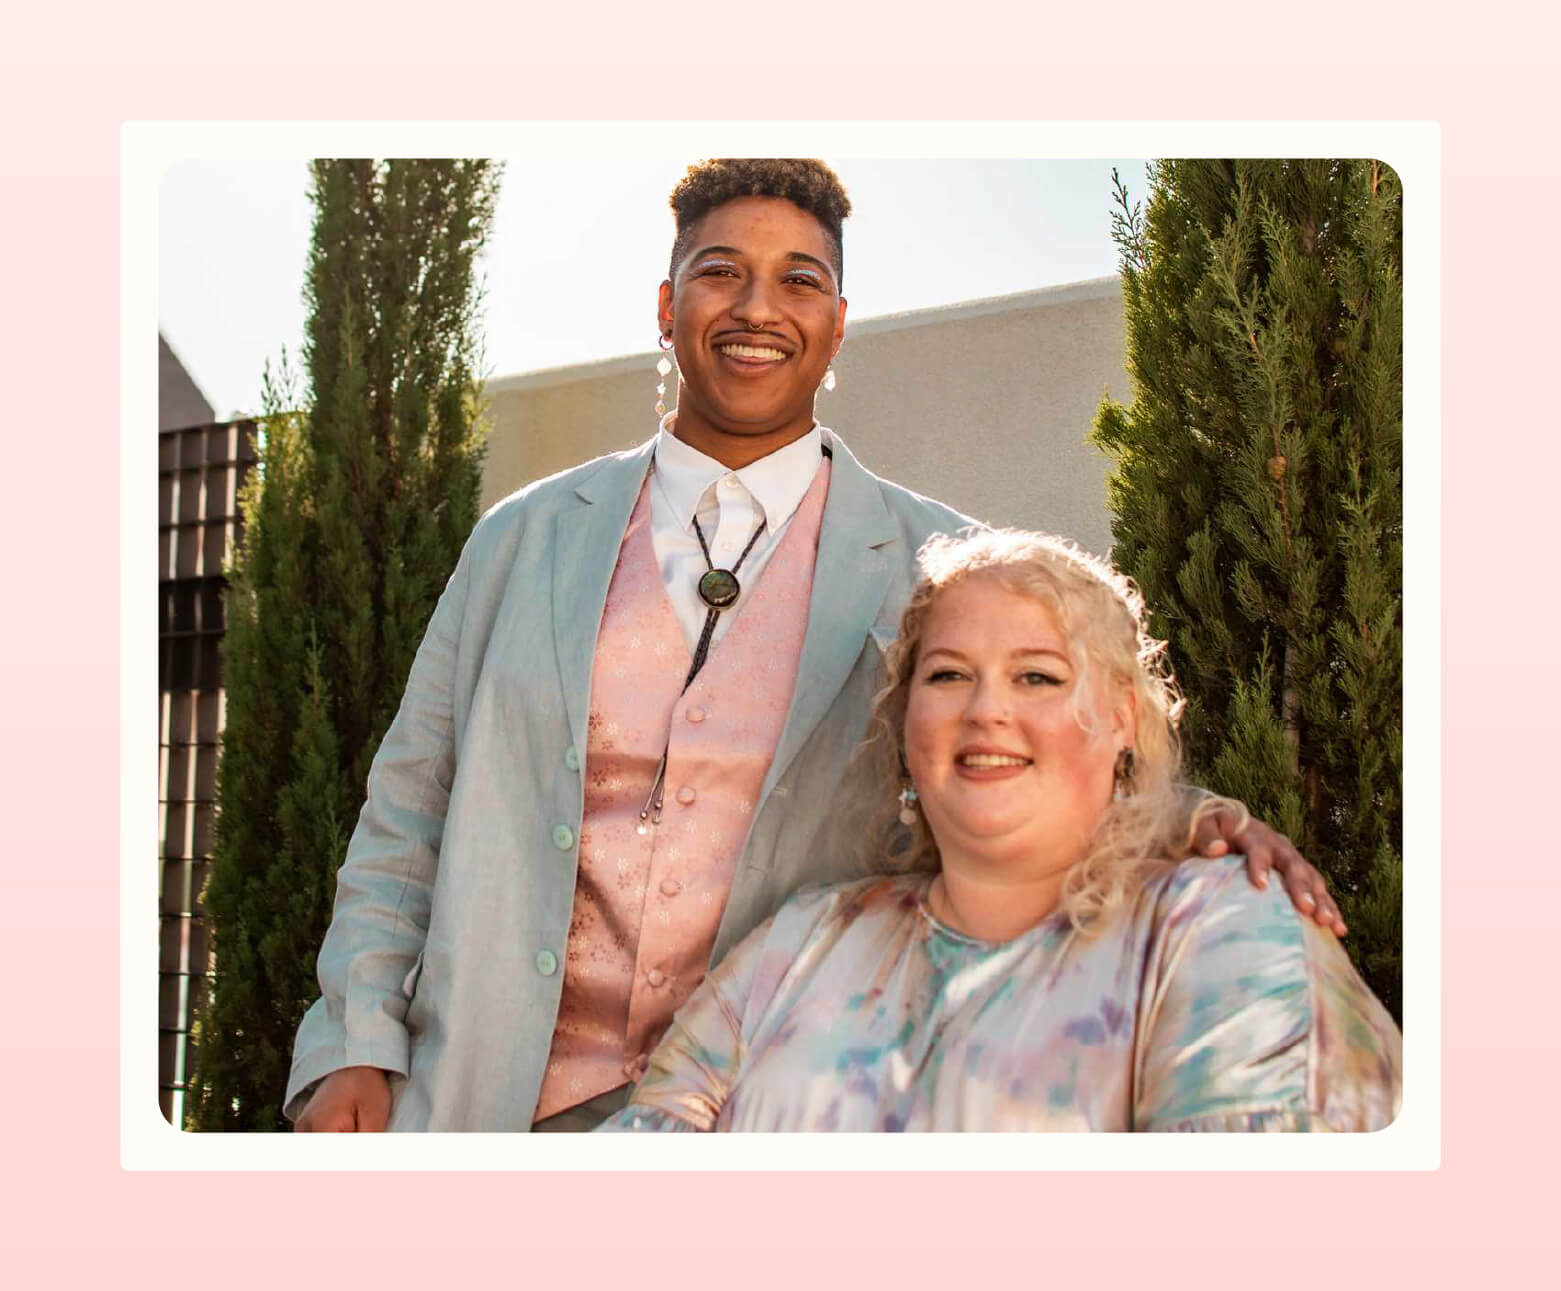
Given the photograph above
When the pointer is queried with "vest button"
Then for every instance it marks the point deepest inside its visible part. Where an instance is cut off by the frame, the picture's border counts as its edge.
(686, 795)
(563, 837)
(572, 759)
(696, 713)
(655, 977)
(547, 963)
(670, 887)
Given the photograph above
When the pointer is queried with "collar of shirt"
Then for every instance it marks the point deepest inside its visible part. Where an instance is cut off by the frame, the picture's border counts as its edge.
(777, 482)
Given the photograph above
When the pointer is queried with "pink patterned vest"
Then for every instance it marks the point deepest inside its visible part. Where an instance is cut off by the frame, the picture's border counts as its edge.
(647, 906)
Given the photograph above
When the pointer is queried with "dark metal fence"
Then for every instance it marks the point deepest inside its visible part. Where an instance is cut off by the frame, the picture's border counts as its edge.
(201, 471)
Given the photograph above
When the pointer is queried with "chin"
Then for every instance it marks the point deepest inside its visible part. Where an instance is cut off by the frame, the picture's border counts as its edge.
(755, 421)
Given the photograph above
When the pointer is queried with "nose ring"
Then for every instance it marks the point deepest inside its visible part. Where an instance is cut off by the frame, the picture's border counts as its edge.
(755, 327)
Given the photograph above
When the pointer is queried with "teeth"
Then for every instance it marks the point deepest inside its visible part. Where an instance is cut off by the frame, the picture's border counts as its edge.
(991, 760)
(751, 352)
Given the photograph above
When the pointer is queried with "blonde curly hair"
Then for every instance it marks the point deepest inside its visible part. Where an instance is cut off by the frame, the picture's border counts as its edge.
(1101, 615)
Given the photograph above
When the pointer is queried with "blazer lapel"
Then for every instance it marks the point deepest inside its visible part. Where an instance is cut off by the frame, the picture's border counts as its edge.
(856, 550)
(586, 536)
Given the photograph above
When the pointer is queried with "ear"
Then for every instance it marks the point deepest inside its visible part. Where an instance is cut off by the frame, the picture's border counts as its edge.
(664, 307)
(840, 327)
(1124, 713)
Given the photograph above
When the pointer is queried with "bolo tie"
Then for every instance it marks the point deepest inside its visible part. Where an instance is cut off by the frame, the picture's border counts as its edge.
(719, 590)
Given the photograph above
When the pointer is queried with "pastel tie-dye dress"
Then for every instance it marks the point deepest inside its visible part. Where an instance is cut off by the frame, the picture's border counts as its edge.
(1205, 1004)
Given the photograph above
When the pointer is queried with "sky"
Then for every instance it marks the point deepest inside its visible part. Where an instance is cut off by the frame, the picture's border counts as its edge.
(578, 249)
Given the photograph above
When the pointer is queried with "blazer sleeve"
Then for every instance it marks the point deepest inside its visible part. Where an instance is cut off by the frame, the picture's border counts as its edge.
(693, 1069)
(368, 964)
(1253, 1018)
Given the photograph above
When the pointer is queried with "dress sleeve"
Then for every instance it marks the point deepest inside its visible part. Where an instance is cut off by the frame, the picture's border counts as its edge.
(368, 964)
(692, 1071)
(1253, 1018)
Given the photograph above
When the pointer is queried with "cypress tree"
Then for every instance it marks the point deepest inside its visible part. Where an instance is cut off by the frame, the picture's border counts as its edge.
(1256, 494)
(353, 524)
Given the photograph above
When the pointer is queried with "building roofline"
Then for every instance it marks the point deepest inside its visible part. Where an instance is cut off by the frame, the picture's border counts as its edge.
(1066, 293)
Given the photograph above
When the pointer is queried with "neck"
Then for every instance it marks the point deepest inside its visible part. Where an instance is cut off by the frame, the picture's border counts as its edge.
(993, 907)
(732, 449)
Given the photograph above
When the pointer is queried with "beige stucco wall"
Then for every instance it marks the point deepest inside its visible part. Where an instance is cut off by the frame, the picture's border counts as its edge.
(985, 406)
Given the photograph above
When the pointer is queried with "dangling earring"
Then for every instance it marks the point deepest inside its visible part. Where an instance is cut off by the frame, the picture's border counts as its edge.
(663, 367)
(829, 377)
(1122, 776)
(908, 804)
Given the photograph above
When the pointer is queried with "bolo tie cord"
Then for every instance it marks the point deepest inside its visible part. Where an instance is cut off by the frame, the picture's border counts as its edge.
(652, 808)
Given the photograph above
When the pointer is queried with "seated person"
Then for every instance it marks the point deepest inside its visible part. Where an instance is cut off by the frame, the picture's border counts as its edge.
(1041, 956)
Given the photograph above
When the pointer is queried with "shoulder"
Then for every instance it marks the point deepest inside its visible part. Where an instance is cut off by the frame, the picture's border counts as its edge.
(549, 491)
(1205, 928)
(502, 524)
(927, 514)
(1208, 921)
(1199, 888)
(921, 517)
(918, 516)
(834, 906)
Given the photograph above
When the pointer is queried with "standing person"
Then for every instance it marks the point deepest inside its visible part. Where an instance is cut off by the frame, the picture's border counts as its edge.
(631, 714)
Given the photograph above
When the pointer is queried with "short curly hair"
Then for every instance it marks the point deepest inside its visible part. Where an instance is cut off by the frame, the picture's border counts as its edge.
(806, 183)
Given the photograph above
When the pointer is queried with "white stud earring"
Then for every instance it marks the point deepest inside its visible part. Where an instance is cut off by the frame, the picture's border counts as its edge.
(663, 368)
(829, 377)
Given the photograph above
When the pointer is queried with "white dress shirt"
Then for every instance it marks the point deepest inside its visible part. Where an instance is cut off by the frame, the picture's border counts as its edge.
(730, 506)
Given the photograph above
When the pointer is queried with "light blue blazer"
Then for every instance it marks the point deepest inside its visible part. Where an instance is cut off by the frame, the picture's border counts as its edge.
(444, 959)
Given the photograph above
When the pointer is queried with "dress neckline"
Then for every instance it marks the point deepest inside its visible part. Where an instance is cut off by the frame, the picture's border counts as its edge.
(938, 928)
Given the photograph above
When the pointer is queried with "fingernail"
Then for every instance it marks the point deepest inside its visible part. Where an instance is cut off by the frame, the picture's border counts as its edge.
(1308, 898)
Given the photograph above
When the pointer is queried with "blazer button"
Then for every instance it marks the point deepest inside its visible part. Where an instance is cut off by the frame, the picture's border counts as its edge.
(547, 963)
(572, 759)
(670, 887)
(655, 977)
(686, 795)
(696, 713)
(563, 837)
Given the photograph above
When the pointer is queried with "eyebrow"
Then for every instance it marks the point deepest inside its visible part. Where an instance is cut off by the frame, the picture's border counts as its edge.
(1013, 654)
(800, 257)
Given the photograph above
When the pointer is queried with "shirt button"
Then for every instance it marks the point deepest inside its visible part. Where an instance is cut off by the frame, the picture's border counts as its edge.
(729, 482)
(696, 713)
(686, 795)
(563, 837)
(670, 887)
(572, 759)
(655, 977)
(547, 963)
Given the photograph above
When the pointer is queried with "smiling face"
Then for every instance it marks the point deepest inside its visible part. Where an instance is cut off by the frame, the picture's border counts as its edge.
(755, 316)
(1010, 748)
